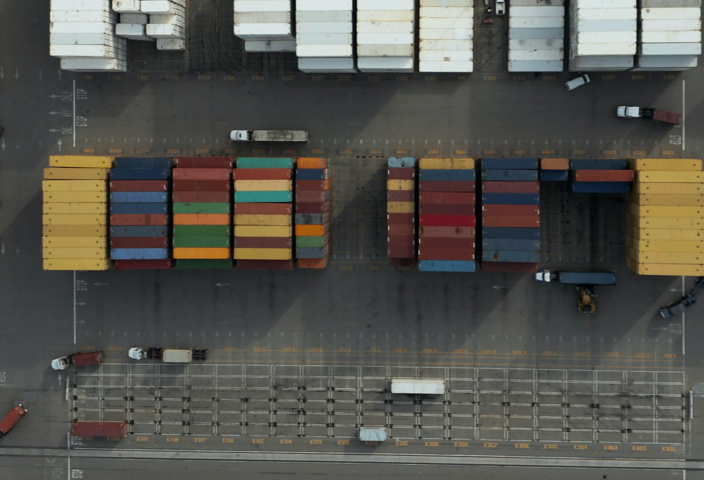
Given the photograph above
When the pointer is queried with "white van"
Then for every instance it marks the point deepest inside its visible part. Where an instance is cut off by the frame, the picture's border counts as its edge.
(577, 82)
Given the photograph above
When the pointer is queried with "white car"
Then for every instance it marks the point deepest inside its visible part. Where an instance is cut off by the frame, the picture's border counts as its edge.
(577, 82)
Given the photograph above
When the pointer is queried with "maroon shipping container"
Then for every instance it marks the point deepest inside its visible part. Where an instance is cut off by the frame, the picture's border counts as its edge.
(400, 218)
(401, 229)
(201, 197)
(139, 220)
(440, 242)
(100, 429)
(401, 252)
(138, 185)
(204, 162)
(201, 173)
(401, 174)
(82, 359)
(510, 267)
(504, 221)
(263, 242)
(139, 242)
(263, 208)
(402, 262)
(202, 185)
(447, 220)
(447, 232)
(510, 187)
(10, 420)
(144, 264)
(466, 254)
(466, 186)
(401, 241)
(307, 197)
(448, 198)
(511, 210)
(604, 175)
(313, 207)
(401, 196)
(446, 209)
(313, 185)
(265, 264)
(262, 174)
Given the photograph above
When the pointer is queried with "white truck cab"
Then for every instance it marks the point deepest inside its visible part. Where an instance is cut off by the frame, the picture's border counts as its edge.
(137, 353)
(546, 276)
(241, 135)
(629, 112)
(60, 363)
(500, 7)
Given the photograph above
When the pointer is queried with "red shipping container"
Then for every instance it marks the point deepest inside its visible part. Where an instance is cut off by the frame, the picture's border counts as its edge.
(400, 218)
(139, 242)
(263, 208)
(447, 232)
(262, 174)
(313, 207)
(510, 267)
(466, 254)
(313, 185)
(401, 252)
(510, 187)
(265, 264)
(401, 174)
(99, 429)
(604, 175)
(402, 262)
(511, 210)
(204, 162)
(202, 185)
(448, 220)
(401, 241)
(306, 196)
(139, 220)
(401, 196)
(138, 185)
(447, 198)
(201, 197)
(452, 243)
(201, 173)
(144, 264)
(263, 242)
(446, 209)
(466, 186)
(532, 221)
(401, 229)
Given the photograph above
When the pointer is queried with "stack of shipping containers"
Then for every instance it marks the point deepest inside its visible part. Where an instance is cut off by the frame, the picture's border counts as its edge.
(202, 212)
(263, 213)
(602, 35)
(265, 25)
(510, 215)
(139, 213)
(76, 213)
(447, 215)
(536, 32)
(446, 36)
(401, 211)
(665, 234)
(601, 176)
(385, 35)
(167, 23)
(324, 37)
(313, 206)
(554, 169)
(133, 26)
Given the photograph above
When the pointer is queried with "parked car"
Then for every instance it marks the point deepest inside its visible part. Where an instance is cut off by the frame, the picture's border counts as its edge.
(12, 418)
(577, 82)
(679, 307)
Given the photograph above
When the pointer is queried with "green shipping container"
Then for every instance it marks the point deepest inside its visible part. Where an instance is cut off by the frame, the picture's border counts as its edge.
(264, 197)
(254, 162)
(202, 230)
(201, 242)
(310, 242)
(204, 264)
(202, 208)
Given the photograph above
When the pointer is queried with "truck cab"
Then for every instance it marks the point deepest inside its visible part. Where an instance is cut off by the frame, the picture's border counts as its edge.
(546, 276)
(500, 7)
(242, 135)
(629, 112)
(11, 419)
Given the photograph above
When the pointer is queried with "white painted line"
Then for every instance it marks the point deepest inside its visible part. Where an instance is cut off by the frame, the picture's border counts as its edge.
(74, 116)
(74, 307)
(683, 314)
(684, 114)
(68, 446)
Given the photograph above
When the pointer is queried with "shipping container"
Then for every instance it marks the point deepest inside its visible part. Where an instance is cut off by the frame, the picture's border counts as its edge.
(138, 242)
(510, 175)
(74, 231)
(510, 210)
(400, 196)
(270, 220)
(466, 254)
(604, 175)
(202, 207)
(402, 162)
(264, 197)
(451, 243)
(667, 223)
(312, 185)
(81, 161)
(446, 163)
(598, 164)
(554, 175)
(670, 188)
(554, 164)
(202, 230)
(75, 197)
(670, 177)
(447, 186)
(446, 209)
(392, 241)
(601, 187)
(669, 200)
(74, 219)
(510, 256)
(312, 218)
(447, 198)
(263, 185)
(201, 197)
(265, 242)
(447, 175)
(203, 174)
(202, 219)
(201, 186)
(510, 187)
(393, 185)
(314, 263)
(401, 229)
(310, 241)
(140, 173)
(511, 233)
(515, 245)
(202, 253)
(447, 232)
(76, 173)
(401, 252)
(144, 264)
(201, 241)
(77, 264)
(74, 242)
(263, 253)
(313, 207)
(311, 252)
(139, 231)
(447, 221)
(514, 222)
(204, 162)
(73, 186)
(308, 162)
(100, 429)
(96, 253)
(401, 174)
(138, 185)
(446, 266)
(510, 199)
(139, 254)
(75, 208)
(667, 212)
(263, 209)
(248, 231)
(254, 162)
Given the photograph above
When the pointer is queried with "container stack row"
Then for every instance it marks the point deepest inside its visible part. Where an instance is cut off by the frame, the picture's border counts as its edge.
(140, 213)
(554, 169)
(401, 211)
(601, 176)
(324, 36)
(202, 199)
(313, 211)
(536, 36)
(447, 215)
(265, 25)
(75, 213)
(446, 36)
(264, 213)
(386, 35)
(167, 23)
(510, 215)
(665, 229)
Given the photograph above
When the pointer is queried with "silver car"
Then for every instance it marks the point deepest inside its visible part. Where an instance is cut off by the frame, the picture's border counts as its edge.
(577, 82)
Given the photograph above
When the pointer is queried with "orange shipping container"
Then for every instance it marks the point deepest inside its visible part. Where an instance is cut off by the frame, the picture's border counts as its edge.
(312, 163)
(202, 253)
(555, 163)
(202, 219)
(313, 263)
(310, 230)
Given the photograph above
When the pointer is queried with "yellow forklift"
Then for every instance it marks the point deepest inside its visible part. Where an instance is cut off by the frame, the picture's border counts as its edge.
(586, 295)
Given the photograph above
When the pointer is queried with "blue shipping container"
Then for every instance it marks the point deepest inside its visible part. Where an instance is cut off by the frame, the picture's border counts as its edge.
(509, 163)
(139, 208)
(510, 175)
(139, 253)
(516, 245)
(596, 164)
(511, 233)
(448, 175)
(510, 199)
(140, 173)
(312, 174)
(587, 278)
(149, 231)
(554, 175)
(139, 197)
(142, 162)
(312, 218)
(446, 266)
(311, 252)
(601, 187)
(510, 256)
(404, 162)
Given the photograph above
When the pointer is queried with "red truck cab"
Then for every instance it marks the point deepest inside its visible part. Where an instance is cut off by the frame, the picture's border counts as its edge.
(11, 419)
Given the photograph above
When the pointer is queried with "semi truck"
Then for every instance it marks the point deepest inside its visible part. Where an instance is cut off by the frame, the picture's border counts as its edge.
(168, 355)
(80, 359)
(654, 113)
(269, 136)
(11, 419)
(100, 429)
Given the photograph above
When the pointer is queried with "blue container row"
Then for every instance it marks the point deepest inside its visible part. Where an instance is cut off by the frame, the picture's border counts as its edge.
(143, 162)
(554, 175)
(510, 256)
(594, 164)
(139, 197)
(510, 164)
(448, 175)
(601, 187)
(140, 173)
(139, 253)
(139, 208)
(510, 175)
(510, 199)
(516, 245)
(446, 266)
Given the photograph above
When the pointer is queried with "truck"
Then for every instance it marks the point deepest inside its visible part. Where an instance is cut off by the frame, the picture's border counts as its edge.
(269, 136)
(100, 429)
(80, 359)
(585, 282)
(11, 419)
(656, 114)
(168, 355)
(415, 386)
(679, 307)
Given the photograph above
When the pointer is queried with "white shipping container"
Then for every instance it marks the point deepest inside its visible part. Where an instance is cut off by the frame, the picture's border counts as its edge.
(78, 16)
(465, 45)
(132, 31)
(671, 37)
(445, 55)
(598, 49)
(671, 13)
(81, 39)
(385, 38)
(270, 46)
(446, 3)
(535, 55)
(335, 17)
(165, 31)
(262, 17)
(73, 5)
(167, 20)
(386, 5)
(671, 25)
(536, 44)
(412, 386)
(134, 18)
(604, 37)
(93, 65)
(446, 67)
(436, 12)
(385, 50)
(81, 27)
(670, 49)
(323, 27)
(446, 22)
(326, 65)
(255, 6)
(126, 6)
(385, 64)
(607, 26)
(262, 29)
(541, 11)
(385, 16)
(533, 33)
(324, 39)
(161, 7)
(446, 34)
(323, 5)
(170, 45)
(87, 51)
(384, 27)
(536, 22)
(668, 62)
(604, 61)
(324, 50)
(604, 14)
(535, 66)
(602, 4)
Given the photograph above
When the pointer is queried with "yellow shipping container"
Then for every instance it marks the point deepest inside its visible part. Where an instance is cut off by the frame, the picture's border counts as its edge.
(400, 185)
(401, 207)
(74, 264)
(100, 208)
(76, 173)
(74, 219)
(665, 234)
(74, 186)
(81, 161)
(75, 197)
(670, 177)
(446, 163)
(674, 270)
(670, 200)
(670, 188)
(74, 242)
(244, 231)
(666, 212)
(76, 253)
(675, 246)
(263, 185)
(270, 220)
(656, 222)
(74, 231)
(263, 254)
(202, 253)
(668, 164)
(667, 257)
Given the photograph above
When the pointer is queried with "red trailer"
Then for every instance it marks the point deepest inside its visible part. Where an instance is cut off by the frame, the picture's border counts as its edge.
(99, 429)
(11, 419)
